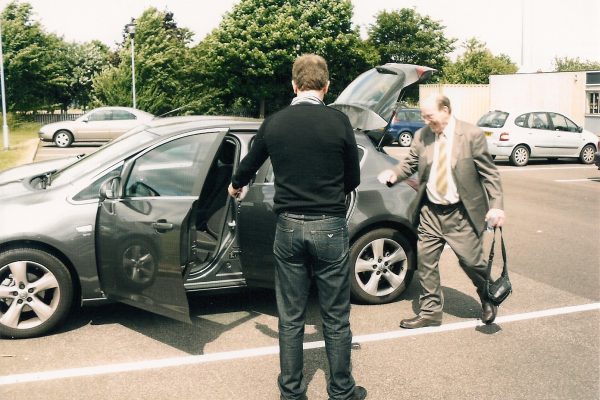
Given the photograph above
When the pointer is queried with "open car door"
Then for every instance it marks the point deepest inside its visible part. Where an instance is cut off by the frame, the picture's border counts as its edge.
(144, 222)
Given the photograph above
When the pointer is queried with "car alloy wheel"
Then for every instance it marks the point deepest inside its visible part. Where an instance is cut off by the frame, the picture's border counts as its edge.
(587, 154)
(35, 292)
(63, 138)
(138, 265)
(405, 139)
(382, 263)
(519, 156)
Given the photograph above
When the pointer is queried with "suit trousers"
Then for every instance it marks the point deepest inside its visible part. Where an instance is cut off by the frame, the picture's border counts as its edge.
(440, 225)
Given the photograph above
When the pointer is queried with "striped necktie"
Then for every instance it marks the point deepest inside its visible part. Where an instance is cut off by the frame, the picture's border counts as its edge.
(441, 182)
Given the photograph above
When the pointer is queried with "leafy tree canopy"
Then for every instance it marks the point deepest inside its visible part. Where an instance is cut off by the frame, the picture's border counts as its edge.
(34, 61)
(250, 55)
(476, 65)
(566, 64)
(160, 57)
(405, 36)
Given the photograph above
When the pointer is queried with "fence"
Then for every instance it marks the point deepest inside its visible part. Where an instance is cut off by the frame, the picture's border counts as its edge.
(49, 118)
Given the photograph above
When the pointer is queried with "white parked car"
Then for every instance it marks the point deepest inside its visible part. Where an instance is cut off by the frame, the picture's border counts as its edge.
(521, 135)
(98, 125)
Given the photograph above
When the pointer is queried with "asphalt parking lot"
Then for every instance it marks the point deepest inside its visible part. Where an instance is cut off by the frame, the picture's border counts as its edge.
(545, 343)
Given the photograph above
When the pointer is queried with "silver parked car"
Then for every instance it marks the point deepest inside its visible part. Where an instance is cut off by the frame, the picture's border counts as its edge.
(147, 218)
(98, 125)
(522, 135)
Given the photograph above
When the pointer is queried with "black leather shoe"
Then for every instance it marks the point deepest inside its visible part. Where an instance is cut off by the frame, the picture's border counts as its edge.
(360, 393)
(488, 312)
(418, 322)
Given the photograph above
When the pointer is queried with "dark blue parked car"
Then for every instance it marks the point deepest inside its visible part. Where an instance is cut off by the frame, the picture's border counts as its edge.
(404, 125)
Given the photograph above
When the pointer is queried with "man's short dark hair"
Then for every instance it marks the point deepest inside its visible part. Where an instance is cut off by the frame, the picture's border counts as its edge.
(310, 72)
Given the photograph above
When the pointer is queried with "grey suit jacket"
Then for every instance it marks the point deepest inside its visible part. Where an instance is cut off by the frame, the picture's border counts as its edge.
(476, 176)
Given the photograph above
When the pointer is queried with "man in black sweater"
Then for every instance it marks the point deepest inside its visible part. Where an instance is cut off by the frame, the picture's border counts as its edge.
(315, 163)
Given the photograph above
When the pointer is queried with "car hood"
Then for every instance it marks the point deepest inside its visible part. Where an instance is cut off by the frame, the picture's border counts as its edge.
(17, 174)
(370, 99)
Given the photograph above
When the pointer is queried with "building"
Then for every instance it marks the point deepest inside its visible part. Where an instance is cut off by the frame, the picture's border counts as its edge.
(576, 94)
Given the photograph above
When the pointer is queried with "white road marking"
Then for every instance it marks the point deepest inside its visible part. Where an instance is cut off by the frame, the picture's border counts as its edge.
(577, 180)
(525, 169)
(271, 350)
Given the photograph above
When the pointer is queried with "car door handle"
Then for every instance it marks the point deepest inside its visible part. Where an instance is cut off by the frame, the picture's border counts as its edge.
(162, 225)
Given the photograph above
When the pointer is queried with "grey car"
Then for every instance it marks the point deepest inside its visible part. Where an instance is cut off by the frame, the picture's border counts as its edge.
(146, 218)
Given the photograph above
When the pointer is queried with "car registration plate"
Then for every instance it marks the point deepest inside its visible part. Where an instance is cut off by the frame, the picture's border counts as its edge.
(487, 133)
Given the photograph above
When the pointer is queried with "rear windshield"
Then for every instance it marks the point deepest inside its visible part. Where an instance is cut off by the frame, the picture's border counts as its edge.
(493, 119)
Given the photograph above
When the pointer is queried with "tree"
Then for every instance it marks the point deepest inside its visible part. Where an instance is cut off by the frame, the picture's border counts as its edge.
(86, 61)
(405, 36)
(476, 65)
(35, 62)
(248, 57)
(566, 64)
(161, 58)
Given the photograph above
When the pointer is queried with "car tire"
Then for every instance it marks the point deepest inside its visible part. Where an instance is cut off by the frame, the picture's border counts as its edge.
(587, 154)
(405, 139)
(519, 156)
(382, 263)
(26, 310)
(63, 138)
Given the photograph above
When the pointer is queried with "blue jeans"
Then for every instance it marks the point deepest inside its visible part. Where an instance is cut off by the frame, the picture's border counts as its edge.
(320, 242)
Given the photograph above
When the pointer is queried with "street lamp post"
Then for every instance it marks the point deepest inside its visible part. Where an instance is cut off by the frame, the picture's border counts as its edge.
(4, 122)
(131, 30)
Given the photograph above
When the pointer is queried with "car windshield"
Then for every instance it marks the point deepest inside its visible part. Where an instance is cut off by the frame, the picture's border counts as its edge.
(122, 145)
(493, 119)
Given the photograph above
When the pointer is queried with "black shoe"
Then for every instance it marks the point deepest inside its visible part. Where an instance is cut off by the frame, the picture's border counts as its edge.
(419, 322)
(360, 393)
(488, 312)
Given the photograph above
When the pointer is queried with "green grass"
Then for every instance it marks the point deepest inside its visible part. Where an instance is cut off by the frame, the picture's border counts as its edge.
(23, 140)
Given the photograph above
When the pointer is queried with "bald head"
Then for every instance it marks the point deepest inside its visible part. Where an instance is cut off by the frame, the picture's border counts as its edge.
(436, 112)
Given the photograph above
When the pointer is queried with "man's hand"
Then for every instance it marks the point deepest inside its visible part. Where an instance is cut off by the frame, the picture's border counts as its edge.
(387, 177)
(495, 217)
(233, 192)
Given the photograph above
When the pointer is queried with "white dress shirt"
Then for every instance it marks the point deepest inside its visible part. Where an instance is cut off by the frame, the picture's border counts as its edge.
(451, 196)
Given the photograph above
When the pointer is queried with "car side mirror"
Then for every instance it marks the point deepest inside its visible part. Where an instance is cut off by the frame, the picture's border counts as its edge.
(579, 129)
(110, 188)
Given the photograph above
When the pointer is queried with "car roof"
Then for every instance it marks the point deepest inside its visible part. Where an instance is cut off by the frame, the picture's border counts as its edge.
(130, 109)
(527, 111)
(165, 126)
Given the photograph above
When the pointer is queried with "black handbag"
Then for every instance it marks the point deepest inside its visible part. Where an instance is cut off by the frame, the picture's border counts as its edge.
(497, 291)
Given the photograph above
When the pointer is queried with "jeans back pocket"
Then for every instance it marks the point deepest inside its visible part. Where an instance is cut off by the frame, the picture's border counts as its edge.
(331, 245)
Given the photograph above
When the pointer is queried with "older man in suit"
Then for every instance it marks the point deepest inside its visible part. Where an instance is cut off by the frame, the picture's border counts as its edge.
(460, 193)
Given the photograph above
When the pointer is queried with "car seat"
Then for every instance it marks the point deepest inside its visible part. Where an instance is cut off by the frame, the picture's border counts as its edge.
(213, 201)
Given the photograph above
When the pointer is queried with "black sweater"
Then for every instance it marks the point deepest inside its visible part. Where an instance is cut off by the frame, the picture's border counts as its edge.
(314, 156)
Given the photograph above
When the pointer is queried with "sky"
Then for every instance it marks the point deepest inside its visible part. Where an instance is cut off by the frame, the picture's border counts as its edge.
(531, 32)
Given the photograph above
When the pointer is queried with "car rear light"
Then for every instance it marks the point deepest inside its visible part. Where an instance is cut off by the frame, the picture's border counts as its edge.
(504, 137)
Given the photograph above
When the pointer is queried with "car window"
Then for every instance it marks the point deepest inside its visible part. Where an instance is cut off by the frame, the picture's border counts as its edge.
(415, 116)
(122, 115)
(538, 120)
(493, 119)
(521, 120)
(561, 123)
(170, 169)
(102, 115)
(92, 191)
(401, 116)
(105, 154)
